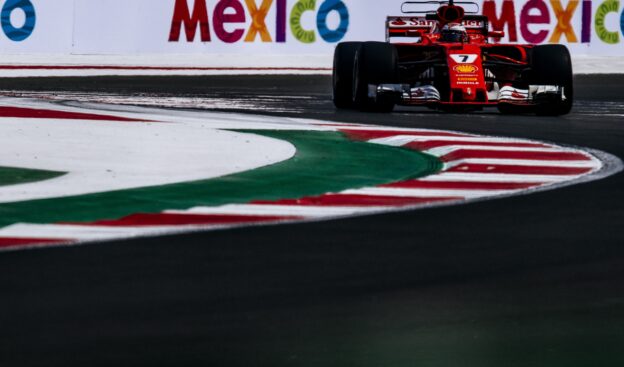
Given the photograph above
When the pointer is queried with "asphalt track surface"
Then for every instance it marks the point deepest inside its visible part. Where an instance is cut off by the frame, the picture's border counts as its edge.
(534, 280)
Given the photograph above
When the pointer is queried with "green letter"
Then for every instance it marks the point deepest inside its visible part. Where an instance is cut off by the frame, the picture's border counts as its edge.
(295, 21)
(609, 6)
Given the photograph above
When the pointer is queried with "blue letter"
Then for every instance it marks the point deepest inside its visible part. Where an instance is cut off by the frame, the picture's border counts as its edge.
(622, 22)
(18, 34)
(321, 20)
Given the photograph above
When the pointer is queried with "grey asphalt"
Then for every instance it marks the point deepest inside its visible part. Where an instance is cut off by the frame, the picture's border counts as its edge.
(535, 280)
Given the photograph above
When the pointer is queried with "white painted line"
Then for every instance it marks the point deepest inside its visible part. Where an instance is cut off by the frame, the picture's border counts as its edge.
(276, 210)
(426, 193)
(82, 233)
(407, 130)
(442, 151)
(522, 162)
(400, 140)
(21, 73)
(394, 141)
(257, 63)
(496, 177)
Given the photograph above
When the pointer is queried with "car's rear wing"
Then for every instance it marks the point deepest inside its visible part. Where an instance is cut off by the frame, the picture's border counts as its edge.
(403, 26)
(430, 7)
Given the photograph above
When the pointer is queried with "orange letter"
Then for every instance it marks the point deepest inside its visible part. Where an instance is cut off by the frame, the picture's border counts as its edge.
(257, 20)
(564, 17)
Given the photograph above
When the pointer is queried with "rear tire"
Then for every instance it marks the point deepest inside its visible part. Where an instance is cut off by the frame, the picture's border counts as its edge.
(344, 58)
(552, 65)
(375, 63)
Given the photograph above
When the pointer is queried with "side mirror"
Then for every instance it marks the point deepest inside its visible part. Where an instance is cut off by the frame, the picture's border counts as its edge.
(496, 34)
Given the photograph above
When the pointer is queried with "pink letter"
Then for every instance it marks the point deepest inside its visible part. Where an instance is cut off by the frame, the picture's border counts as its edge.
(219, 18)
(543, 17)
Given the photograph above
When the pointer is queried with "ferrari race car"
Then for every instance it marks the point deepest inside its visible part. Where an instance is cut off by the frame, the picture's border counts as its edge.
(443, 59)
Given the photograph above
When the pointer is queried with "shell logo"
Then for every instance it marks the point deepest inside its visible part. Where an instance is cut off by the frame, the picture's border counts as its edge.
(466, 69)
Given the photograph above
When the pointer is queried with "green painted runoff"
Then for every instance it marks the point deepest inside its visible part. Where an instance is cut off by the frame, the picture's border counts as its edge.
(324, 162)
(14, 176)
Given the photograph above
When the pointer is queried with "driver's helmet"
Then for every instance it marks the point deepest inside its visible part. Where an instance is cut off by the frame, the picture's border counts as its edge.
(454, 32)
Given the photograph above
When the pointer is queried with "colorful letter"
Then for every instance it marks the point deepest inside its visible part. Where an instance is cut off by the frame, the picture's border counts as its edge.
(564, 19)
(622, 22)
(181, 14)
(508, 17)
(258, 26)
(321, 20)
(18, 34)
(302, 6)
(542, 18)
(587, 20)
(219, 18)
(280, 24)
(609, 6)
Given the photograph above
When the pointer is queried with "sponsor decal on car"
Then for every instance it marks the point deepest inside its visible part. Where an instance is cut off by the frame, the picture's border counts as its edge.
(466, 69)
(467, 80)
(464, 59)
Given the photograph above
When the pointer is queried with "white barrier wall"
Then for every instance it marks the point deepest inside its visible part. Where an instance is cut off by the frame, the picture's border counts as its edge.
(130, 27)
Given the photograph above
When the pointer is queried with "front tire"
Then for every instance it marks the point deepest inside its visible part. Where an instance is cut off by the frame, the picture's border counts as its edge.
(344, 59)
(375, 63)
(552, 65)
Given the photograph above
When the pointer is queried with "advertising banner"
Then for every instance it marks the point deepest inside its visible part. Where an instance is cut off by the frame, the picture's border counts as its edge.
(130, 27)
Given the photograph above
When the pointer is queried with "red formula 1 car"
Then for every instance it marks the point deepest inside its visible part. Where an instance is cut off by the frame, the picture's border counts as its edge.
(444, 60)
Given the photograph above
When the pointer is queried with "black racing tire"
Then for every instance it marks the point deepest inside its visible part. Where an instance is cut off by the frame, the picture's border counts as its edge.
(375, 63)
(344, 59)
(552, 65)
